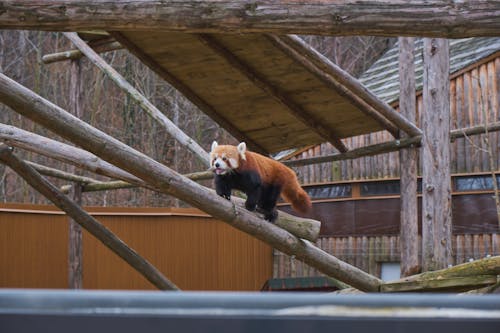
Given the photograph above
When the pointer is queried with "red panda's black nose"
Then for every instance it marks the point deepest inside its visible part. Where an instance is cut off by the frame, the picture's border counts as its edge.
(217, 164)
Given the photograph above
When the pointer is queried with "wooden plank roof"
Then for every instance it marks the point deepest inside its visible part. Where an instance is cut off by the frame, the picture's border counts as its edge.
(382, 78)
(252, 88)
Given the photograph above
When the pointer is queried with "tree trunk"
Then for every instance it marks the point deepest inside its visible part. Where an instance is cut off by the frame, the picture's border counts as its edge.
(433, 18)
(75, 250)
(436, 178)
(27, 103)
(408, 162)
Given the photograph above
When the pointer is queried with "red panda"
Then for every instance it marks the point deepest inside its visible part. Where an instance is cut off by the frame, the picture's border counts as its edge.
(261, 178)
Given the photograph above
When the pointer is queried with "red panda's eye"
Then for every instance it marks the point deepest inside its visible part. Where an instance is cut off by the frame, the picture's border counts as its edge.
(224, 159)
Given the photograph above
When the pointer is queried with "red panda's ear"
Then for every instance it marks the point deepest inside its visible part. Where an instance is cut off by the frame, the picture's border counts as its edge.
(242, 148)
(214, 145)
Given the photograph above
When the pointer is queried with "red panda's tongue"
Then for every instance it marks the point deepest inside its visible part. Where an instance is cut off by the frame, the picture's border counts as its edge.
(219, 171)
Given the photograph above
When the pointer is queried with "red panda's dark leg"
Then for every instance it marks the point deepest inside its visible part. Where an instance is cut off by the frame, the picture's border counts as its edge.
(223, 186)
(253, 196)
(267, 202)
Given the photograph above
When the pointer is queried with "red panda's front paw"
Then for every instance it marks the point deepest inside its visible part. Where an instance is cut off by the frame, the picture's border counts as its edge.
(250, 206)
(271, 216)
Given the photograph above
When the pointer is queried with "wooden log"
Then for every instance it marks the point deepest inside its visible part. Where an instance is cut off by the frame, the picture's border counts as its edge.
(455, 284)
(408, 162)
(371, 150)
(434, 18)
(144, 103)
(302, 228)
(28, 104)
(77, 54)
(47, 171)
(75, 244)
(281, 97)
(470, 275)
(436, 179)
(109, 239)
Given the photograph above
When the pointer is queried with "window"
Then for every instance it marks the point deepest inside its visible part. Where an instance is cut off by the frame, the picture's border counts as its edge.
(329, 191)
(380, 188)
(390, 271)
(475, 183)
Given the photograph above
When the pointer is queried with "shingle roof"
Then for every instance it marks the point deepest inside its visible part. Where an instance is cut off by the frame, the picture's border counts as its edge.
(382, 77)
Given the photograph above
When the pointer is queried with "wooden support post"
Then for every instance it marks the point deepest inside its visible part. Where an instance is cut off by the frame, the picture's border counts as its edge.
(75, 250)
(408, 162)
(436, 180)
(157, 175)
(109, 239)
(146, 105)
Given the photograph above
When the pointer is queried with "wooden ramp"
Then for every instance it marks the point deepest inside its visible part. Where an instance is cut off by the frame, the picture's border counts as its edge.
(253, 88)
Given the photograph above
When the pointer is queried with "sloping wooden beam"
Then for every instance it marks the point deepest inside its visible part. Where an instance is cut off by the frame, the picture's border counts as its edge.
(188, 93)
(305, 60)
(431, 18)
(281, 97)
(352, 85)
(143, 102)
(157, 175)
(103, 234)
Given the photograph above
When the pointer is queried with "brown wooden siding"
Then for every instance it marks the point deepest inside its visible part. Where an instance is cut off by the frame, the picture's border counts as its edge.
(192, 249)
(368, 253)
(473, 91)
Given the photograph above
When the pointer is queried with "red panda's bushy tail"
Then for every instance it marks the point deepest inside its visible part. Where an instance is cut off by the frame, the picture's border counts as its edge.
(297, 197)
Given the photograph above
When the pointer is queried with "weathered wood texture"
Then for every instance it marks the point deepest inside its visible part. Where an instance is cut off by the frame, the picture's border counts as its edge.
(466, 152)
(75, 250)
(90, 224)
(26, 103)
(408, 161)
(145, 104)
(257, 90)
(435, 18)
(466, 276)
(369, 252)
(77, 54)
(198, 251)
(436, 180)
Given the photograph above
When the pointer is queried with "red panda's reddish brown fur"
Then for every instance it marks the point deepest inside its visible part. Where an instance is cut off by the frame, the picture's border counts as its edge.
(274, 172)
(271, 172)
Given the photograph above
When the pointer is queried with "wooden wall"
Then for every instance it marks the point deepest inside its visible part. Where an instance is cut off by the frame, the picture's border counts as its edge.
(368, 253)
(195, 251)
(472, 91)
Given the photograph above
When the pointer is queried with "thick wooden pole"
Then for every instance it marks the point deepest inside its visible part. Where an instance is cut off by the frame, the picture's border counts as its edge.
(145, 104)
(27, 103)
(408, 162)
(431, 18)
(436, 180)
(75, 249)
(90, 224)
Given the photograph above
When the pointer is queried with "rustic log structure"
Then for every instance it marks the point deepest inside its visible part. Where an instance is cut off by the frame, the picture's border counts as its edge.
(435, 18)
(436, 181)
(408, 162)
(86, 221)
(146, 105)
(54, 118)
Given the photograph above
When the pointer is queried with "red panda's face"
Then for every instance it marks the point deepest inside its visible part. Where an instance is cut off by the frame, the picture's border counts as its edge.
(224, 158)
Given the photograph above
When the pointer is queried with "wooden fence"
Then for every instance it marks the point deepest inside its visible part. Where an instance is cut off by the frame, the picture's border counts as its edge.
(368, 253)
(474, 92)
(192, 249)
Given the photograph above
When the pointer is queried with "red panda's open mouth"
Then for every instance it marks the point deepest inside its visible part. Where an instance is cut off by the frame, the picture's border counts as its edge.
(219, 171)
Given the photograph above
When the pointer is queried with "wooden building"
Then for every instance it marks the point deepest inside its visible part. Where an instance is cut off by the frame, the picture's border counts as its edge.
(358, 200)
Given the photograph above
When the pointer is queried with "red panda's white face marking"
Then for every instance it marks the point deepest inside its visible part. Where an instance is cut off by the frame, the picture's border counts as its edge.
(224, 158)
